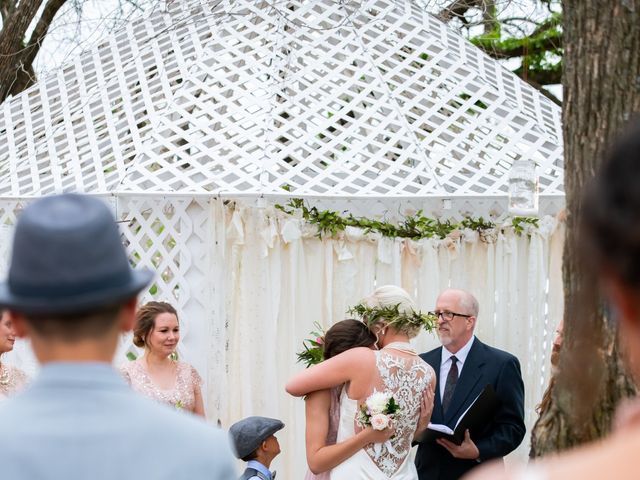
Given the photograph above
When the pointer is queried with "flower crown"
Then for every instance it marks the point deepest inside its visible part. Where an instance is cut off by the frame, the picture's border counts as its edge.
(392, 315)
(313, 352)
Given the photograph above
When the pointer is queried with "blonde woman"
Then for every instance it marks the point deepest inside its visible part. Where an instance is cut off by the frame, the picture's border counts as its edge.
(156, 374)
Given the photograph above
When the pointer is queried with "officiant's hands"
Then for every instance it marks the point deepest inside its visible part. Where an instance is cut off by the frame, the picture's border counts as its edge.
(466, 450)
(426, 408)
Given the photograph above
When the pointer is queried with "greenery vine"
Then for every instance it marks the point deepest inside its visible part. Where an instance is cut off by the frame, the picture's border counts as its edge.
(415, 227)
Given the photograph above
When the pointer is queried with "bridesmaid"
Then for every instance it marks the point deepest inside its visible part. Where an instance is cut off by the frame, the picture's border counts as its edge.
(157, 374)
(12, 379)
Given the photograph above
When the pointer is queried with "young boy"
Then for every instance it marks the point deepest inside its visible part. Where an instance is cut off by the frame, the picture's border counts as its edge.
(255, 443)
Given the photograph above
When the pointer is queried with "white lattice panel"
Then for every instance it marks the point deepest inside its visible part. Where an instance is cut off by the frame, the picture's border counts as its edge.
(173, 237)
(373, 98)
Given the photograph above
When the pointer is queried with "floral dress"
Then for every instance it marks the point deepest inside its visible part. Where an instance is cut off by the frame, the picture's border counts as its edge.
(181, 396)
(12, 380)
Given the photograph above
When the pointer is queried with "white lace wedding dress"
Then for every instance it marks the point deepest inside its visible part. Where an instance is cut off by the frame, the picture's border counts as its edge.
(406, 377)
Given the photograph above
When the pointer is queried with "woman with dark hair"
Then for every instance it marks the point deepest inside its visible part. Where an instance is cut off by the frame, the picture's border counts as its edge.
(322, 408)
(158, 374)
(611, 241)
(12, 379)
(395, 370)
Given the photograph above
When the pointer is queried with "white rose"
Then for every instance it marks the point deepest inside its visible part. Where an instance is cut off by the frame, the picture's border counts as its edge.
(377, 402)
(379, 421)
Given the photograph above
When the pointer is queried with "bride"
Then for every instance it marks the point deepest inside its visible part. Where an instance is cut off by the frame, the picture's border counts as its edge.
(395, 368)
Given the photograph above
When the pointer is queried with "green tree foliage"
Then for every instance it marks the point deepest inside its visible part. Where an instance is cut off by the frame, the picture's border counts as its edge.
(526, 34)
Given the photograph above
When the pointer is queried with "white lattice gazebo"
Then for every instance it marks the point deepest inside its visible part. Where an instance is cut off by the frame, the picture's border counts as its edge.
(370, 106)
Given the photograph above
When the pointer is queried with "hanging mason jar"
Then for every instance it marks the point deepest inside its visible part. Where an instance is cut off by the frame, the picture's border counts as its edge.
(523, 188)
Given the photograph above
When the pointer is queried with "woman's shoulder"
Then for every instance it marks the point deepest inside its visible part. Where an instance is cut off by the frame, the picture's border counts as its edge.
(431, 373)
(128, 366)
(358, 352)
(130, 371)
(189, 371)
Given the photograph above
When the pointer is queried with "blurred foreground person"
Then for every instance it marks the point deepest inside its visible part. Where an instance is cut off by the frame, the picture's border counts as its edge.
(71, 290)
(611, 223)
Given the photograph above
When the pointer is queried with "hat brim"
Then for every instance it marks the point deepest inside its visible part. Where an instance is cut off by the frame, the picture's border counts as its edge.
(78, 303)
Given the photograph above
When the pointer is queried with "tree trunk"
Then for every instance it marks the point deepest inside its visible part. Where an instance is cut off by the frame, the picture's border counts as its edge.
(16, 54)
(601, 82)
(12, 38)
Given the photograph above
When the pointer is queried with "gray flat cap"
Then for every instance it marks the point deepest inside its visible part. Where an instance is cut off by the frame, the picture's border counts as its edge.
(249, 433)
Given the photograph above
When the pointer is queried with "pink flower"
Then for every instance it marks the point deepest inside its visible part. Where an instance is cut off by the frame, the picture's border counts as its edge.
(320, 341)
(380, 421)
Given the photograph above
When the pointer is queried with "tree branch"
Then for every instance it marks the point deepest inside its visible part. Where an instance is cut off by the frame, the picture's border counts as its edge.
(42, 27)
(500, 51)
(541, 76)
(544, 91)
(11, 38)
(457, 9)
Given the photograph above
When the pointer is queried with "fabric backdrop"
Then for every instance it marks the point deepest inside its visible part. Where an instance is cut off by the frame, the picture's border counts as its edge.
(250, 283)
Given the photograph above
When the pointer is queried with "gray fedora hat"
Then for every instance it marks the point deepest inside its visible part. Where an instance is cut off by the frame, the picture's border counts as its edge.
(68, 257)
(247, 434)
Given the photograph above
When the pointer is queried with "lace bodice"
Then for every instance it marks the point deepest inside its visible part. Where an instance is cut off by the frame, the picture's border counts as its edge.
(406, 378)
(12, 380)
(181, 396)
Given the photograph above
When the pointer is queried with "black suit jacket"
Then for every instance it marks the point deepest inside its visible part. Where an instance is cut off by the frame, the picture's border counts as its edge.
(501, 434)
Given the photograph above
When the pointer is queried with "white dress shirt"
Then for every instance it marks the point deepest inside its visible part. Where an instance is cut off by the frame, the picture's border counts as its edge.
(445, 363)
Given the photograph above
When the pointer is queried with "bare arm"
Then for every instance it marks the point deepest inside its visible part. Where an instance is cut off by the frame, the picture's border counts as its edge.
(198, 407)
(336, 371)
(196, 381)
(322, 457)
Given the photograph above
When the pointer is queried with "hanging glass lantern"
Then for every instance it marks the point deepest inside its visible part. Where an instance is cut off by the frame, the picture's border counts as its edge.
(523, 188)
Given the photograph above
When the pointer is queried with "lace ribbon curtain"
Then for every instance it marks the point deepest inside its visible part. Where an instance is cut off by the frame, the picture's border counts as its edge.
(281, 279)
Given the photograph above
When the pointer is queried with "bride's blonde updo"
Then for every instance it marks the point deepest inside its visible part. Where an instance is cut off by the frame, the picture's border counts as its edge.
(394, 297)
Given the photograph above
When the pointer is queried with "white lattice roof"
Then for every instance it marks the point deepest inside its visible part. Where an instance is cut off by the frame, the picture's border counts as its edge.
(325, 98)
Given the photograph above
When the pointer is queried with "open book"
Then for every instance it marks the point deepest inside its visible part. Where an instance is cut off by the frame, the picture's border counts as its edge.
(475, 416)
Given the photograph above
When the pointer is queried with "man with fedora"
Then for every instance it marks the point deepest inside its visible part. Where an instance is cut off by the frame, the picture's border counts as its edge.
(256, 444)
(70, 289)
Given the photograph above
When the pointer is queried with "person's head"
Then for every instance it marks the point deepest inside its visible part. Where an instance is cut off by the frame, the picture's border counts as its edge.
(70, 286)
(7, 334)
(254, 438)
(610, 237)
(157, 328)
(347, 334)
(456, 311)
(393, 296)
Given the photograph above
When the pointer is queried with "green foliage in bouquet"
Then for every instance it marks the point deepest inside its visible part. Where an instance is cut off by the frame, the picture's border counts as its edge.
(313, 348)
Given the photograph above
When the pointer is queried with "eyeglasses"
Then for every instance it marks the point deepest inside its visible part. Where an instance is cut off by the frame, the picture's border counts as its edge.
(448, 316)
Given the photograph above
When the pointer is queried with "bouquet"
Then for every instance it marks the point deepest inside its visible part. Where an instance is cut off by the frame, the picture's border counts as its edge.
(378, 410)
(313, 348)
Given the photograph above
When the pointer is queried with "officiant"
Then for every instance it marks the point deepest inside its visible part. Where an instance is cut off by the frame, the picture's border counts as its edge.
(464, 366)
